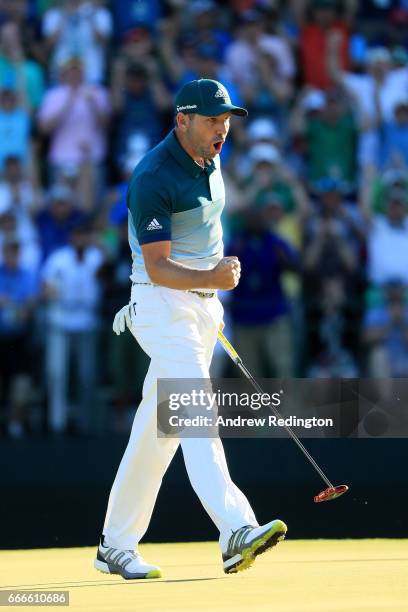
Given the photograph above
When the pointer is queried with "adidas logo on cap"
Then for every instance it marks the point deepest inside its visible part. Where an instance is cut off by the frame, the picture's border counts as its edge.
(221, 93)
(154, 225)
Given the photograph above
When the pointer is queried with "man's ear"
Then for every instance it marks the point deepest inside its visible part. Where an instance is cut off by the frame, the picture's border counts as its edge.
(182, 121)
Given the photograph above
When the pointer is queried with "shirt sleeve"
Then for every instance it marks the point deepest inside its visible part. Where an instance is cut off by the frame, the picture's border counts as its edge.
(150, 208)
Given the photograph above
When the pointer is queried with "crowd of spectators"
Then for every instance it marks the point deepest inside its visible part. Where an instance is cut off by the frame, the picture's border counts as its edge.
(316, 181)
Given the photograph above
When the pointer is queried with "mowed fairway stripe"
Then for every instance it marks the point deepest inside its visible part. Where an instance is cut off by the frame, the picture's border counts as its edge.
(297, 576)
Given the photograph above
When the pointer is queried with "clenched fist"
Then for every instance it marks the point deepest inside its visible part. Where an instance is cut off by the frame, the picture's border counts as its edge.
(226, 273)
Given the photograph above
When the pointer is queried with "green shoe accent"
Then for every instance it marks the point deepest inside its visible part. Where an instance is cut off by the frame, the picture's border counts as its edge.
(270, 539)
(153, 574)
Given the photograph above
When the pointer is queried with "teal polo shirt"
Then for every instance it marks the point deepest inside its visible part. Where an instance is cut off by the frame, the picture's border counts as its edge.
(170, 197)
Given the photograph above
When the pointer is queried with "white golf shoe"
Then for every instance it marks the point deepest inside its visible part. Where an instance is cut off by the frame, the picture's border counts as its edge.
(127, 563)
(248, 542)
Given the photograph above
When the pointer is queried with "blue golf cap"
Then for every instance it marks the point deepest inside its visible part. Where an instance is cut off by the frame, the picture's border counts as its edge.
(206, 97)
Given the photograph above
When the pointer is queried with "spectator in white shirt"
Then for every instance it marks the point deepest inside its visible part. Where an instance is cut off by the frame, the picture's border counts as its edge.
(72, 291)
(388, 242)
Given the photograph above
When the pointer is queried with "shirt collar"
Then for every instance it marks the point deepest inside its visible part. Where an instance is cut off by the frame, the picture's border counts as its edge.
(184, 158)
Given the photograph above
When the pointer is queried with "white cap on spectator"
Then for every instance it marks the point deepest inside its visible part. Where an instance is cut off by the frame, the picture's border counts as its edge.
(314, 100)
(263, 129)
(264, 153)
(378, 54)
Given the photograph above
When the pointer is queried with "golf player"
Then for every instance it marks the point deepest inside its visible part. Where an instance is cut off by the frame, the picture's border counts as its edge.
(175, 199)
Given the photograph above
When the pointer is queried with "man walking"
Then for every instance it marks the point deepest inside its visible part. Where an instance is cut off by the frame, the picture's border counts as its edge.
(175, 199)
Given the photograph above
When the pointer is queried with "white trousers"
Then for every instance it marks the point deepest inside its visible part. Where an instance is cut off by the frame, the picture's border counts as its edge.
(178, 330)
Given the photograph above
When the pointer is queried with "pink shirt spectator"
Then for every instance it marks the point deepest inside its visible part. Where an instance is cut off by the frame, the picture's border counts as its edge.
(78, 135)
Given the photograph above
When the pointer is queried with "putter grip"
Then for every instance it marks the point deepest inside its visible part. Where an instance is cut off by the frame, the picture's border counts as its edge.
(228, 347)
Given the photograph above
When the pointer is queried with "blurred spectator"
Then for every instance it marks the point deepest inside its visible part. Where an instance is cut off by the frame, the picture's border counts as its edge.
(23, 13)
(18, 292)
(139, 95)
(133, 13)
(16, 190)
(137, 49)
(331, 139)
(379, 84)
(333, 278)
(72, 291)
(57, 221)
(260, 64)
(377, 188)
(18, 197)
(268, 174)
(386, 333)
(388, 241)
(203, 17)
(334, 233)
(80, 28)
(76, 115)
(394, 137)
(331, 355)
(258, 306)
(12, 224)
(17, 71)
(15, 128)
(316, 29)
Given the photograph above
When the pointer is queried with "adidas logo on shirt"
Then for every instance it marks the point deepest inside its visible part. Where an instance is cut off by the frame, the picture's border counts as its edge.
(154, 225)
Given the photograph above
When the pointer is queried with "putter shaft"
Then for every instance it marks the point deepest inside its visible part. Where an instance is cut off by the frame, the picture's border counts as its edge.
(238, 361)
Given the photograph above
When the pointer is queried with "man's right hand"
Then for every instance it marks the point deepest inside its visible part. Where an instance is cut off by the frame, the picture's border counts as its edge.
(122, 320)
(226, 273)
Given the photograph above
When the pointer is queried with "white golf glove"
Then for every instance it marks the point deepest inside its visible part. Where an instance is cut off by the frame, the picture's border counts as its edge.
(122, 319)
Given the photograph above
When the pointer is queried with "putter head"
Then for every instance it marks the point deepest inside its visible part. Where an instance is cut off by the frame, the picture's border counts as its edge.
(330, 493)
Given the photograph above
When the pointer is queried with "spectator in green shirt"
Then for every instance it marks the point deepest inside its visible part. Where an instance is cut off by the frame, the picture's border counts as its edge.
(330, 137)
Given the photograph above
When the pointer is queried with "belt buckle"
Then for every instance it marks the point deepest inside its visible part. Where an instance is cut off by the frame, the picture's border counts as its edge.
(204, 295)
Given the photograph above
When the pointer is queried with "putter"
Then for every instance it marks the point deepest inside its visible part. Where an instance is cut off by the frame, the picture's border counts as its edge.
(332, 492)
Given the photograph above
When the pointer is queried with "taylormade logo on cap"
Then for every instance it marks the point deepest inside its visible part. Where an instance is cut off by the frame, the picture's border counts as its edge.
(186, 107)
(206, 97)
